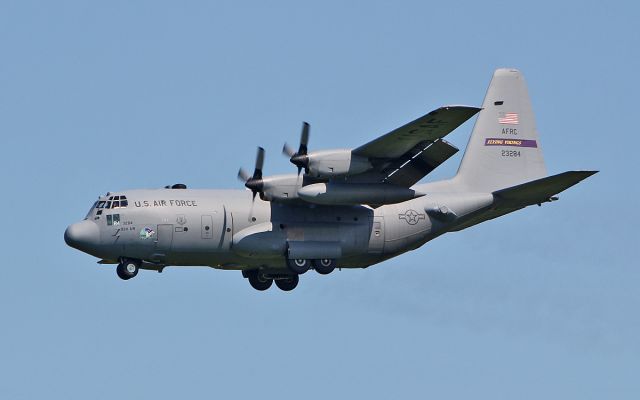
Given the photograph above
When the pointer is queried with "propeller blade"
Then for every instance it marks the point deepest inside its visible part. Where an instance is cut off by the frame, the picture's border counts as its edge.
(260, 158)
(257, 173)
(243, 175)
(304, 139)
(288, 150)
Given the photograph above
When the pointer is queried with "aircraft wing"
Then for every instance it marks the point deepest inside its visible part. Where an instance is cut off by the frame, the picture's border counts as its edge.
(409, 168)
(405, 155)
(426, 129)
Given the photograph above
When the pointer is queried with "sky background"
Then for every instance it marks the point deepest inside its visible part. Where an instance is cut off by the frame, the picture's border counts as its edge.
(104, 96)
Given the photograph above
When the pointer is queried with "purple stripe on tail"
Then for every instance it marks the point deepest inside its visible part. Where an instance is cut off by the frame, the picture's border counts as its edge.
(510, 142)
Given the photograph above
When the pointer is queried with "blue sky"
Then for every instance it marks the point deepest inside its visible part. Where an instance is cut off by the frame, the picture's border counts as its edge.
(100, 96)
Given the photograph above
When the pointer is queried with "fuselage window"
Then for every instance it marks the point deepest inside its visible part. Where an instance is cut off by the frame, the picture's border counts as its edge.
(113, 219)
(116, 204)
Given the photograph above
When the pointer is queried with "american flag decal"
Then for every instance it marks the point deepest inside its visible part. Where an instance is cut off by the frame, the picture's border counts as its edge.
(510, 118)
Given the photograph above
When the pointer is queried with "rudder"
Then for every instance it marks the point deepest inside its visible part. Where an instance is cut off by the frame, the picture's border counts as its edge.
(504, 148)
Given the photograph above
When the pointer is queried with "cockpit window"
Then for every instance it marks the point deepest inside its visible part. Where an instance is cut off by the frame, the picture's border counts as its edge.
(117, 202)
(113, 202)
(91, 210)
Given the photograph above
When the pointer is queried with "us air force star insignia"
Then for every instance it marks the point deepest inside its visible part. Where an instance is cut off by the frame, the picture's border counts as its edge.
(411, 216)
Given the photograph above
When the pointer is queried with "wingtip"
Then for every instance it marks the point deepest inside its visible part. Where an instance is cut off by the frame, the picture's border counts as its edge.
(462, 106)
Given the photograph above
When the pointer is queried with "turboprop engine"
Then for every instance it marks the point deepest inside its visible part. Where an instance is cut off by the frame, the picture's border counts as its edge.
(324, 164)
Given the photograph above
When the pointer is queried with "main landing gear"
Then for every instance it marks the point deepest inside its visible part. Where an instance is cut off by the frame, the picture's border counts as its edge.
(260, 281)
(288, 281)
(128, 269)
(323, 266)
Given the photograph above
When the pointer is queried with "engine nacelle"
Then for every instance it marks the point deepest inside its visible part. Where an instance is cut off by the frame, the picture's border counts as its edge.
(281, 187)
(332, 163)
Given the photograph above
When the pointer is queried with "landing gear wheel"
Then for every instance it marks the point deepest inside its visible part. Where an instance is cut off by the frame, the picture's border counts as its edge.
(324, 266)
(298, 265)
(259, 282)
(288, 283)
(127, 269)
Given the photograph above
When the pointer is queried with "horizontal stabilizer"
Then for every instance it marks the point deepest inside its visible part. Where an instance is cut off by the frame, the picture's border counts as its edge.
(517, 197)
(539, 190)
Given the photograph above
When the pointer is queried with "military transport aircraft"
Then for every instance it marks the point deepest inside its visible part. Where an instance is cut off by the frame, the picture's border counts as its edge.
(347, 208)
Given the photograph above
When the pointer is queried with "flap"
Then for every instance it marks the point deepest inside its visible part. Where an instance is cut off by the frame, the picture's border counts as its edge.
(409, 169)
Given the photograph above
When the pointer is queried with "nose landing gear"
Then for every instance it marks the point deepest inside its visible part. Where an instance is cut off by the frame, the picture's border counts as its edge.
(127, 269)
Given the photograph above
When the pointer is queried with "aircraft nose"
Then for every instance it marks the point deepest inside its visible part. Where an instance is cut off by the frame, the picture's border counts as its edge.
(83, 235)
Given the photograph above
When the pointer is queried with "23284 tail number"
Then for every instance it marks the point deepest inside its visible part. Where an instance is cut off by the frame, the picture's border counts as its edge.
(510, 153)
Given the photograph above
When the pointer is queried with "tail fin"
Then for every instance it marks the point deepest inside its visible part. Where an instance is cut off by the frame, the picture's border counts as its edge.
(504, 149)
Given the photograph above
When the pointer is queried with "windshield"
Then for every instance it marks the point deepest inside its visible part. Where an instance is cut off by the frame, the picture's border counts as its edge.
(93, 207)
(111, 202)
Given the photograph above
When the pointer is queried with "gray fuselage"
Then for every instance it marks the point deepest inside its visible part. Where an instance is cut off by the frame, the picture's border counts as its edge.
(227, 229)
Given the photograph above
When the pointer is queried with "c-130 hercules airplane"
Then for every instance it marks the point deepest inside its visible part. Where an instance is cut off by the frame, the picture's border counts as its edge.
(349, 209)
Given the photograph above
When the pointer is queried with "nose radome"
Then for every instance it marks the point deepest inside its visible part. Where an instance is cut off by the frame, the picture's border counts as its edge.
(83, 235)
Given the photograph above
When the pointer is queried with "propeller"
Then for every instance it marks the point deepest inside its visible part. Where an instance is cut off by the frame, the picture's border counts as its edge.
(254, 182)
(299, 158)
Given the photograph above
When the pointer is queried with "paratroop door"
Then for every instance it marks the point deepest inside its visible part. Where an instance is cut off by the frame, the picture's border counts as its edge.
(214, 227)
(165, 238)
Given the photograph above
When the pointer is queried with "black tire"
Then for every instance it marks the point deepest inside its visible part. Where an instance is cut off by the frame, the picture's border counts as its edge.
(324, 266)
(259, 282)
(288, 283)
(120, 272)
(127, 269)
(298, 266)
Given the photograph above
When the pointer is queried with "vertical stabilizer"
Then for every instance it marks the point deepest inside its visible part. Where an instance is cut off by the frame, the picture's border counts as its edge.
(504, 148)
